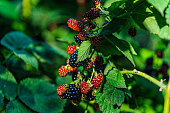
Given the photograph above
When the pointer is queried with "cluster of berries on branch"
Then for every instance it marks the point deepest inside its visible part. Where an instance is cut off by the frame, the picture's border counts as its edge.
(84, 86)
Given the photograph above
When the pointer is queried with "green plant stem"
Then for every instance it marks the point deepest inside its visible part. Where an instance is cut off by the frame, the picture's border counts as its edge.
(144, 75)
(167, 99)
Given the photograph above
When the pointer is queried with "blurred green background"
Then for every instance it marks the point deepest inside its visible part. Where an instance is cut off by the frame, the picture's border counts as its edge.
(45, 21)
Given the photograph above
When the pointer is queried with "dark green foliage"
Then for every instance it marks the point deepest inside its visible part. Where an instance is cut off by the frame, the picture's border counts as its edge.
(8, 84)
(40, 96)
(1, 99)
(34, 37)
(16, 107)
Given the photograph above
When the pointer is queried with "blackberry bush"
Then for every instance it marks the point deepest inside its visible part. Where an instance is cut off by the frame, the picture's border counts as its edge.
(93, 60)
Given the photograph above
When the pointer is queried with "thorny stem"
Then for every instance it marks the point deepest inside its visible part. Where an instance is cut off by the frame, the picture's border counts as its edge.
(167, 99)
(144, 75)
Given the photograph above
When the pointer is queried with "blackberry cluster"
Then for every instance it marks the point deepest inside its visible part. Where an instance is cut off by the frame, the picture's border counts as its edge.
(73, 59)
(85, 82)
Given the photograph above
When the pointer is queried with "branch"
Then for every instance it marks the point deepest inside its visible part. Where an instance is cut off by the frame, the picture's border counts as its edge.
(144, 75)
(167, 99)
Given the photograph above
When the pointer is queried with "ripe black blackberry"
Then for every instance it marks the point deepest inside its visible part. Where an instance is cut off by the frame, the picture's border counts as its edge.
(77, 40)
(73, 59)
(90, 96)
(73, 93)
(132, 31)
(74, 76)
(90, 15)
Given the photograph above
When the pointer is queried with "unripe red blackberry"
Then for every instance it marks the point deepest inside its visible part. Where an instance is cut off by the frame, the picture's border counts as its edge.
(132, 31)
(62, 71)
(82, 35)
(88, 65)
(73, 92)
(97, 81)
(90, 96)
(85, 87)
(90, 15)
(75, 25)
(71, 49)
(61, 89)
(96, 40)
(97, 2)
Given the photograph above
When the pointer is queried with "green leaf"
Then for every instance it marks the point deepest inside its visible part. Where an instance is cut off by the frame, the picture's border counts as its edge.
(84, 50)
(109, 99)
(16, 107)
(114, 26)
(108, 67)
(151, 24)
(105, 105)
(8, 84)
(40, 96)
(16, 40)
(9, 9)
(167, 15)
(115, 78)
(107, 48)
(165, 33)
(160, 5)
(117, 8)
(116, 96)
(63, 80)
(1, 99)
(27, 57)
(122, 46)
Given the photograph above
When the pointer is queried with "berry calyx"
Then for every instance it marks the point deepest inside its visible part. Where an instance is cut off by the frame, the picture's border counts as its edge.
(84, 87)
(97, 81)
(62, 71)
(75, 25)
(71, 49)
(61, 89)
(96, 40)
